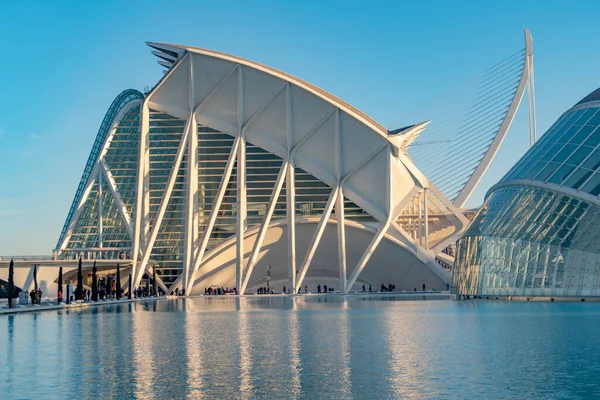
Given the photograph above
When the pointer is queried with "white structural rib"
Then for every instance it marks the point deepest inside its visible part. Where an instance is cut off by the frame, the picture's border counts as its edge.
(241, 220)
(485, 162)
(75, 218)
(290, 191)
(317, 238)
(94, 174)
(142, 185)
(288, 118)
(214, 212)
(100, 211)
(342, 105)
(112, 186)
(264, 227)
(191, 176)
(163, 204)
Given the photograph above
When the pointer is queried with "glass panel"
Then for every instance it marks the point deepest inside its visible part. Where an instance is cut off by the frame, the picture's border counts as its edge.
(595, 121)
(579, 155)
(547, 171)
(582, 134)
(593, 161)
(593, 140)
(561, 174)
(586, 116)
(552, 152)
(578, 177)
(593, 186)
(564, 153)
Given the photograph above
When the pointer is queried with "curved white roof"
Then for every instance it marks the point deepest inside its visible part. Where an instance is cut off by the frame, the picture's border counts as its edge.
(334, 100)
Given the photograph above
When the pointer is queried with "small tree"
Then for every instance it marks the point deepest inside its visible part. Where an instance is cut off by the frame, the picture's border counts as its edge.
(11, 283)
(129, 292)
(118, 282)
(94, 283)
(79, 290)
(60, 285)
(36, 296)
(109, 287)
(154, 289)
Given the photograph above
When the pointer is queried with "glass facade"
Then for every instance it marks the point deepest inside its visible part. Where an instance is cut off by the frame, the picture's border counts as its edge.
(537, 232)
(107, 237)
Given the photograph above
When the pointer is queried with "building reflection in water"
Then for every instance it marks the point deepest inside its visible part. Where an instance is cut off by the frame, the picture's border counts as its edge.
(194, 332)
(293, 324)
(244, 333)
(143, 356)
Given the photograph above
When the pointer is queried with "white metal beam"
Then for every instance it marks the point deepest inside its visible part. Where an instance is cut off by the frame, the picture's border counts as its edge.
(339, 208)
(364, 259)
(191, 217)
(164, 202)
(290, 191)
(241, 220)
(214, 212)
(100, 209)
(191, 176)
(426, 211)
(142, 186)
(341, 234)
(290, 201)
(84, 197)
(485, 162)
(112, 186)
(264, 227)
(367, 254)
(317, 237)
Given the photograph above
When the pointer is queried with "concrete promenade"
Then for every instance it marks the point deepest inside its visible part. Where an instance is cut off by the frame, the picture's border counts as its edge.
(51, 306)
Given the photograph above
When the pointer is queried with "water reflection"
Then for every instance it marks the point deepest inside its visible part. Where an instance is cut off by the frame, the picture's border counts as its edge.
(144, 352)
(304, 347)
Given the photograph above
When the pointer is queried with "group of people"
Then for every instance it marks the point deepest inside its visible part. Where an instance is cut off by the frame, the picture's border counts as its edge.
(218, 291)
(145, 292)
(36, 297)
(264, 290)
(389, 288)
(123, 255)
(325, 289)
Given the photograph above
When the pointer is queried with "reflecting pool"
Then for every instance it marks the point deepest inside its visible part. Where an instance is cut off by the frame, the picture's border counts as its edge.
(331, 347)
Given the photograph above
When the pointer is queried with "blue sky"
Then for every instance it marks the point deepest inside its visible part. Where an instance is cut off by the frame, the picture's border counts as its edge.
(63, 62)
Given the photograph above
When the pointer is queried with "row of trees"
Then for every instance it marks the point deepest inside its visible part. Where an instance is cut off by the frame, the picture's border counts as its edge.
(79, 291)
(12, 293)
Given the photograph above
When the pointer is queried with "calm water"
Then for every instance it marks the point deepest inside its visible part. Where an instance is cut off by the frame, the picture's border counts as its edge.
(315, 347)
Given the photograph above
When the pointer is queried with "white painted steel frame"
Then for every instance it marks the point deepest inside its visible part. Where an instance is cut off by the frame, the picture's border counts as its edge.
(196, 247)
(94, 173)
(485, 162)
